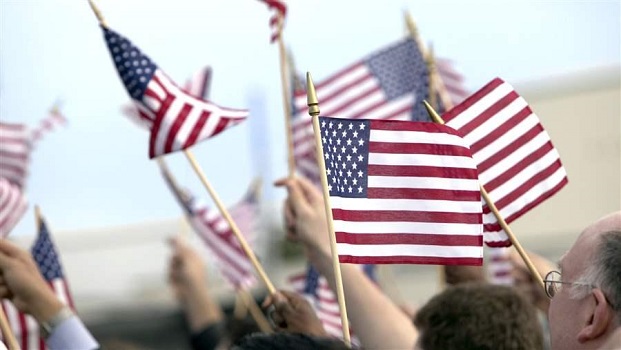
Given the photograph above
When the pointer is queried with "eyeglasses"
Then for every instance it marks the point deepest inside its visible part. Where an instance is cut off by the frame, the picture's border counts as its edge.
(553, 283)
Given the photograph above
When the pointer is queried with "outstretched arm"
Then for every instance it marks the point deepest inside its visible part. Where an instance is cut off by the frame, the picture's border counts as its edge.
(377, 321)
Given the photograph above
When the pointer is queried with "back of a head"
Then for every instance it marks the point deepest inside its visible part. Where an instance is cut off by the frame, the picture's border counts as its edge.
(478, 316)
(288, 341)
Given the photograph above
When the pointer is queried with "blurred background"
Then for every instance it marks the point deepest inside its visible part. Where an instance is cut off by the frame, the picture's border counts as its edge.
(107, 206)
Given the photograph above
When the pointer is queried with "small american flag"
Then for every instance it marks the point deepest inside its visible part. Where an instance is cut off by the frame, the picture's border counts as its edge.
(280, 11)
(518, 165)
(402, 192)
(177, 120)
(13, 205)
(389, 84)
(25, 327)
(198, 86)
(233, 263)
(15, 148)
(319, 294)
(499, 266)
(54, 120)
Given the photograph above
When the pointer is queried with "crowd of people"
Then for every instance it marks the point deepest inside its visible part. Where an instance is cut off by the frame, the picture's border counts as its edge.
(582, 298)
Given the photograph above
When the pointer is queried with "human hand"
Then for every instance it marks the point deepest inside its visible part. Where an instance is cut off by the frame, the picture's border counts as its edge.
(22, 283)
(186, 274)
(305, 216)
(293, 313)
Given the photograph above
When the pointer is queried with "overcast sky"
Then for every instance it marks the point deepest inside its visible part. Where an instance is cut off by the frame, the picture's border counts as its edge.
(96, 172)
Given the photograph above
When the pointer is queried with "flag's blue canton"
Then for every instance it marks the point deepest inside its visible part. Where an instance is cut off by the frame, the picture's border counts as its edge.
(311, 283)
(45, 255)
(401, 70)
(134, 67)
(346, 151)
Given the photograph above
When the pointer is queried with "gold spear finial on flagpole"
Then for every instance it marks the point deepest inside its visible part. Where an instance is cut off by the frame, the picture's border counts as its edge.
(311, 97)
(433, 114)
(97, 13)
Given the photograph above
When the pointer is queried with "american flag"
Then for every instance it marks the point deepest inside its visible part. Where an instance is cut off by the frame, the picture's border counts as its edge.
(233, 263)
(15, 148)
(13, 205)
(453, 80)
(518, 165)
(280, 11)
(198, 86)
(318, 292)
(389, 84)
(177, 120)
(499, 266)
(25, 327)
(54, 120)
(402, 192)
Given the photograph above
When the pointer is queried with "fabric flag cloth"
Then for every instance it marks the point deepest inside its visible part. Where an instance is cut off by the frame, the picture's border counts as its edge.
(54, 120)
(317, 291)
(499, 266)
(216, 233)
(15, 148)
(198, 86)
(280, 11)
(46, 257)
(389, 84)
(13, 205)
(402, 192)
(176, 119)
(518, 165)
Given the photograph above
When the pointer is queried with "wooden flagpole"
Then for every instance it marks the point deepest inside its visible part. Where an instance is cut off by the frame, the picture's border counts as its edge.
(434, 77)
(503, 224)
(225, 214)
(286, 98)
(313, 110)
(255, 311)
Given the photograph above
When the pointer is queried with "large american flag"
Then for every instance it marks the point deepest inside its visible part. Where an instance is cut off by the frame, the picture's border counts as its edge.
(518, 165)
(317, 291)
(13, 205)
(216, 233)
(389, 84)
(15, 148)
(177, 120)
(24, 326)
(402, 192)
(53, 120)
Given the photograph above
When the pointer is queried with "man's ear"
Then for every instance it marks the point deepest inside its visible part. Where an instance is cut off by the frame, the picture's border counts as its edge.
(600, 316)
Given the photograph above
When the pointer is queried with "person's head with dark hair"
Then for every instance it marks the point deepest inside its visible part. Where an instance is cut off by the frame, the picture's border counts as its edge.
(478, 316)
(288, 341)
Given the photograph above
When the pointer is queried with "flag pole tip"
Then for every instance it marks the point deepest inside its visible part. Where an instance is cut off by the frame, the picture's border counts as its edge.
(97, 13)
(311, 95)
(432, 113)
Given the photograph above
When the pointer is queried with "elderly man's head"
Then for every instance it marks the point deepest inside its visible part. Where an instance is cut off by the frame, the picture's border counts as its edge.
(586, 307)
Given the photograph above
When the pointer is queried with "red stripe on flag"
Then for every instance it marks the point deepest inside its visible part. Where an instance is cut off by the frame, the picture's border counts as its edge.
(174, 128)
(422, 171)
(509, 149)
(521, 165)
(405, 216)
(398, 125)
(345, 88)
(423, 193)
(24, 329)
(409, 238)
(423, 260)
(196, 129)
(418, 148)
(159, 117)
(337, 76)
(501, 129)
(222, 123)
(354, 99)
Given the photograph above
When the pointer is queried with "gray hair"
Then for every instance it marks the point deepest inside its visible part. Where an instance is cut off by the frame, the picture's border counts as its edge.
(604, 272)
